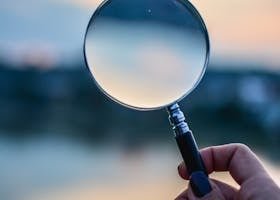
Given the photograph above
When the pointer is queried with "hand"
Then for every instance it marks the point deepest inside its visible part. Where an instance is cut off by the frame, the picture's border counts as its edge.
(245, 168)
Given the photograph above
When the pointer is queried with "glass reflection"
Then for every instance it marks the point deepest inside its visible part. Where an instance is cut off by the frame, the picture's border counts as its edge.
(146, 54)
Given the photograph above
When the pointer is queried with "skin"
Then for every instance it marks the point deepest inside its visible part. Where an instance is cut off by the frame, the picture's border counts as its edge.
(245, 168)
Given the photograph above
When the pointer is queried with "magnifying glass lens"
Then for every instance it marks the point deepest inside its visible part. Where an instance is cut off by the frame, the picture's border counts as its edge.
(146, 54)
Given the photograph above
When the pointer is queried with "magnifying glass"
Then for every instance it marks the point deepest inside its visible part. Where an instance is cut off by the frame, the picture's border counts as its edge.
(148, 55)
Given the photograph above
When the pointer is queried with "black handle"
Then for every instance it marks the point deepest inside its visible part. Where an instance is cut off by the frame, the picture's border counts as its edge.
(189, 151)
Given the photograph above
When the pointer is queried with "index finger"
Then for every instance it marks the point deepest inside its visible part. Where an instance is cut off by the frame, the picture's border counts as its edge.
(238, 159)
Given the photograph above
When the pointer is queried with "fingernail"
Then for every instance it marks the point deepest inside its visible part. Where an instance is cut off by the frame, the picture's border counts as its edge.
(179, 170)
(179, 167)
(200, 184)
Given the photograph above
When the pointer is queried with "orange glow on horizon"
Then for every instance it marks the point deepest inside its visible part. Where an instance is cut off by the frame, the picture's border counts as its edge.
(238, 29)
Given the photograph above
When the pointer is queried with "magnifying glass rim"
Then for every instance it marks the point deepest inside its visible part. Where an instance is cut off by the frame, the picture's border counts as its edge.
(207, 41)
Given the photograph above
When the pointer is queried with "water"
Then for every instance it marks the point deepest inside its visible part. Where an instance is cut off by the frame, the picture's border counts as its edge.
(146, 54)
(59, 168)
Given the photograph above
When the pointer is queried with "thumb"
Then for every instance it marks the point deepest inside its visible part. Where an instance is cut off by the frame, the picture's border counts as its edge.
(215, 194)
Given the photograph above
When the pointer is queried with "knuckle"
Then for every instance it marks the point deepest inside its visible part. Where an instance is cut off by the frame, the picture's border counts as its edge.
(242, 148)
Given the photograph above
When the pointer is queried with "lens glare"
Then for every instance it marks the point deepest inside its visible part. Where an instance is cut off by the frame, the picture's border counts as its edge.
(146, 54)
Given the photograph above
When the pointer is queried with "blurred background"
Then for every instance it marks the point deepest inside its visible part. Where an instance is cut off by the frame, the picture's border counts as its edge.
(60, 138)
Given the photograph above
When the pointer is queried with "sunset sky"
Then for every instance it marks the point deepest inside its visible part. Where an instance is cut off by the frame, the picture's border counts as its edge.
(240, 31)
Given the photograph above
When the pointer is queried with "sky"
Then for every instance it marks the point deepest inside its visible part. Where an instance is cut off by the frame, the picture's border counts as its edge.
(241, 31)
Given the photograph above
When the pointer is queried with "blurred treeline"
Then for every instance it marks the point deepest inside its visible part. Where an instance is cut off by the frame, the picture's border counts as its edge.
(228, 106)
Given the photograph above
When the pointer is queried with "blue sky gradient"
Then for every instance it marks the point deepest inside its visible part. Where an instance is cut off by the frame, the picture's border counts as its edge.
(240, 31)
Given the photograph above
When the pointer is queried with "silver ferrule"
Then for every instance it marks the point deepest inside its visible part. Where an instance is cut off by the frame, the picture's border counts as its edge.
(177, 120)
